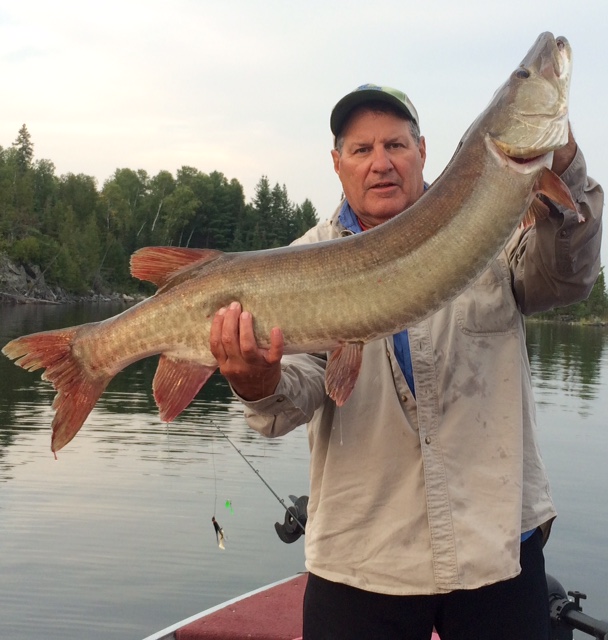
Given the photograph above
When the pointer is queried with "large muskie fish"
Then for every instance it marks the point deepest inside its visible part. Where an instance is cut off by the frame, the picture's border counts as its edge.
(336, 295)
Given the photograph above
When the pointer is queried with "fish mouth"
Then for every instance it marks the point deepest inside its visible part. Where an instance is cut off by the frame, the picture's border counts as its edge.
(525, 162)
(550, 57)
(537, 93)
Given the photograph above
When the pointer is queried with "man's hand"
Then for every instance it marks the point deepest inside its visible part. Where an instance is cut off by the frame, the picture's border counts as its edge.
(564, 156)
(252, 372)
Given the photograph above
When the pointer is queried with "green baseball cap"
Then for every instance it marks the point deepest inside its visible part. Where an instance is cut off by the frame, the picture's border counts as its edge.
(370, 93)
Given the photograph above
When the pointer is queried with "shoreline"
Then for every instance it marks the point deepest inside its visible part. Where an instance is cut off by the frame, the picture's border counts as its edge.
(13, 299)
(19, 285)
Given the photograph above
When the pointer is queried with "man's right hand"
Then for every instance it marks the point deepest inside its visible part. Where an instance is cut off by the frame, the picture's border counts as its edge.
(252, 372)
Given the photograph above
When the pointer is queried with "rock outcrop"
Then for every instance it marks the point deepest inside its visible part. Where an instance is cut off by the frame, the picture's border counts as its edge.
(19, 285)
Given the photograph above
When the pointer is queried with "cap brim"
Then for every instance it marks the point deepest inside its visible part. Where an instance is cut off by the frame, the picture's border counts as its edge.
(343, 108)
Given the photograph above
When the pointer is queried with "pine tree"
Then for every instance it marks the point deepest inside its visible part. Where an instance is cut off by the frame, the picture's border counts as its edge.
(25, 149)
(305, 217)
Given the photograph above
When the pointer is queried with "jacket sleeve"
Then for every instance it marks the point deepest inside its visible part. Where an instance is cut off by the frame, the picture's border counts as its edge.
(299, 393)
(556, 262)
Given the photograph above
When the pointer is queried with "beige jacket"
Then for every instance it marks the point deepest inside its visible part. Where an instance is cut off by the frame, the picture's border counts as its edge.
(430, 494)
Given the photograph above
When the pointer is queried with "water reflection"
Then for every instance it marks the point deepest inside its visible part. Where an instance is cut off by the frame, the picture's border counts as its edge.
(130, 500)
(566, 363)
(565, 360)
(127, 401)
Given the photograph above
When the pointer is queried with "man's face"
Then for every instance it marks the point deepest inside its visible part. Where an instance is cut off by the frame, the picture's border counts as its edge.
(380, 166)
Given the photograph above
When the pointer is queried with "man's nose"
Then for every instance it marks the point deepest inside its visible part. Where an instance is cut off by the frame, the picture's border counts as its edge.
(381, 161)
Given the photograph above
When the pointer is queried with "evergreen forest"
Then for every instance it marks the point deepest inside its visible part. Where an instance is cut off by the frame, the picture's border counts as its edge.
(81, 237)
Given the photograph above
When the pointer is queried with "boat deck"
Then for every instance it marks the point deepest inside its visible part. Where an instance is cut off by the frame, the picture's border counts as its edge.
(270, 613)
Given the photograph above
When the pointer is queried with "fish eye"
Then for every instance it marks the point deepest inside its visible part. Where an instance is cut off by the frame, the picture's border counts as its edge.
(522, 73)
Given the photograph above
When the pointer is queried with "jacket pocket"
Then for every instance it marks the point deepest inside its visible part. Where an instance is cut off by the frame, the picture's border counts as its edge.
(488, 306)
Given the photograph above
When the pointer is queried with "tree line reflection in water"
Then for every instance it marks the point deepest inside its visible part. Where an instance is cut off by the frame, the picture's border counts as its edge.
(25, 399)
(125, 439)
(569, 359)
(565, 359)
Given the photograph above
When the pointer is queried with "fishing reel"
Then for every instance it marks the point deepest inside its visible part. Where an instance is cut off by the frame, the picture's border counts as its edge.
(295, 520)
(567, 614)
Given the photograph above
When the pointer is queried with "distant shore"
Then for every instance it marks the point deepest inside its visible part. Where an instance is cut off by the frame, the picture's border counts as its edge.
(21, 286)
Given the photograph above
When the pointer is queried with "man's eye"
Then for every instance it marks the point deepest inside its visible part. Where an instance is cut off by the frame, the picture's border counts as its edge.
(361, 149)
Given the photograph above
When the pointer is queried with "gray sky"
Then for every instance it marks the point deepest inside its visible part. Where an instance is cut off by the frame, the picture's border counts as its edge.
(246, 87)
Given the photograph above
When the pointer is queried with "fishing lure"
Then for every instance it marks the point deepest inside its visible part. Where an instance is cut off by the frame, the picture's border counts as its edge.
(219, 533)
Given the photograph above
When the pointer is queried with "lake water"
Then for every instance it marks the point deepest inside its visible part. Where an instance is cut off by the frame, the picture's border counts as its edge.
(114, 539)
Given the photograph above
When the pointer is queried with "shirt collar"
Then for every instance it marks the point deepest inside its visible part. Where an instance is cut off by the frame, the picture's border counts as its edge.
(348, 218)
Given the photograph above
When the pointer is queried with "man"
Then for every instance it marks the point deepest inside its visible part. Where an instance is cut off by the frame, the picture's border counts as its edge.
(429, 502)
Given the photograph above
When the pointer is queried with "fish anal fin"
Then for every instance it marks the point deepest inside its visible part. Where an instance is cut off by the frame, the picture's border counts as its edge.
(77, 390)
(176, 382)
(552, 186)
(342, 371)
(159, 264)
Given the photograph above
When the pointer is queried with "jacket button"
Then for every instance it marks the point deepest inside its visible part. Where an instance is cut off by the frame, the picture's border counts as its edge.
(428, 440)
(404, 398)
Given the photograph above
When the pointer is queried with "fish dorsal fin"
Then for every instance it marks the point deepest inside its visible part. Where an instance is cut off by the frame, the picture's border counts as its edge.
(159, 264)
(342, 371)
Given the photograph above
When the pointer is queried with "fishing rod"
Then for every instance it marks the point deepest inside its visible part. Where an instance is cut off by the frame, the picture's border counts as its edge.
(295, 516)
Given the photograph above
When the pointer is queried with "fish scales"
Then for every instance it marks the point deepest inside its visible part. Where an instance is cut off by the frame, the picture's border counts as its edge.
(332, 296)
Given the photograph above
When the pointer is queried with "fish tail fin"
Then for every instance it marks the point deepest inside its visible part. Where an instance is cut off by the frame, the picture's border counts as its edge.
(77, 391)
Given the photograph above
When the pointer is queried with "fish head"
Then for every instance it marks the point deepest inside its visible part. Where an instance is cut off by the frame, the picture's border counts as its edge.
(527, 118)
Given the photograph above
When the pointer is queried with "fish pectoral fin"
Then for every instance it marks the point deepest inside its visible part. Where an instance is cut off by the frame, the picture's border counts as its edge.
(175, 384)
(342, 371)
(537, 210)
(159, 264)
(552, 186)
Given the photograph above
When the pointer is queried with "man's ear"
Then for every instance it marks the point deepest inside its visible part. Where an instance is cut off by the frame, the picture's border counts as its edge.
(335, 154)
(422, 149)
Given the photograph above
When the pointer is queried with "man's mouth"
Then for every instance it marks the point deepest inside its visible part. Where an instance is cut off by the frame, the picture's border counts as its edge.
(383, 185)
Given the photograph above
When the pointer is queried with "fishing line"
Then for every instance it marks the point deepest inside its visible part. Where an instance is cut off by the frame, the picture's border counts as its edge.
(214, 478)
(257, 473)
(219, 532)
